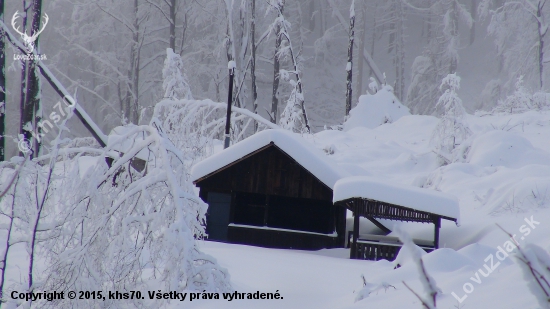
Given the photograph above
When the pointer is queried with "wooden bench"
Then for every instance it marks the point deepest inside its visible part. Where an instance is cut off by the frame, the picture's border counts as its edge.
(377, 247)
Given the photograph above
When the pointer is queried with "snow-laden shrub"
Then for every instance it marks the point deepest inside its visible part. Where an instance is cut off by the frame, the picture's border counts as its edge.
(489, 96)
(105, 227)
(452, 129)
(292, 117)
(145, 225)
(175, 83)
(369, 288)
(523, 100)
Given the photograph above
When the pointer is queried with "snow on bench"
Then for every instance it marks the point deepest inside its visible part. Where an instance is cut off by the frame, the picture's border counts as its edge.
(390, 240)
(333, 234)
(400, 195)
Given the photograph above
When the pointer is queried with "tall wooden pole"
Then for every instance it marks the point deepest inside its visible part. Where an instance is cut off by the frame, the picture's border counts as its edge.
(437, 223)
(2, 88)
(231, 66)
(353, 251)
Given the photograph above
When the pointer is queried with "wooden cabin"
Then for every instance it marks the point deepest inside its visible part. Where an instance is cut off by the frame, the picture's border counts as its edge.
(272, 190)
(276, 190)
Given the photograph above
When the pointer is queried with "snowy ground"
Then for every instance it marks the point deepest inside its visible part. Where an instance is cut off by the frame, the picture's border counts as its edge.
(503, 178)
(319, 280)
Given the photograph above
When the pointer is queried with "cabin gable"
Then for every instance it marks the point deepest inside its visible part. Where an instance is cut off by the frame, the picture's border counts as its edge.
(268, 171)
(268, 199)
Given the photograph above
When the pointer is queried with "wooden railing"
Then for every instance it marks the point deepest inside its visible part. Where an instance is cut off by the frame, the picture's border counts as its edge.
(378, 247)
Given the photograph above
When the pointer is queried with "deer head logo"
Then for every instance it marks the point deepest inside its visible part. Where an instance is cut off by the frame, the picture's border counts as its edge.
(28, 40)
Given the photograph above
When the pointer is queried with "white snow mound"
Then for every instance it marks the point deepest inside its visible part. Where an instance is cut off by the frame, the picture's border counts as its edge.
(502, 148)
(377, 109)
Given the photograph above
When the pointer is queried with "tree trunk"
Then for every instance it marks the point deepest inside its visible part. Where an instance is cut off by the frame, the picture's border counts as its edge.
(373, 41)
(541, 34)
(311, 16)
(473, 11)
(276, 68)
(33, 79)
(253, 62)
(2, 92)
(454, 33)
(26, 111)
(173, 25)
(399, 51)
(322, 18)
(132, 94)
(349, 66)
(360, 86)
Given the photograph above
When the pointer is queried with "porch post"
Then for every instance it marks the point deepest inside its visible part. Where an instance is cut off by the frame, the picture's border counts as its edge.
(353, 251)
(437, 223)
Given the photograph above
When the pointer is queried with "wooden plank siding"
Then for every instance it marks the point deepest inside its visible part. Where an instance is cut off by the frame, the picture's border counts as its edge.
(269, 171)
(282, 182)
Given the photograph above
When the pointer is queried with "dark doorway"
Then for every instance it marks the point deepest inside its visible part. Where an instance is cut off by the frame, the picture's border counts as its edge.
(217, 217)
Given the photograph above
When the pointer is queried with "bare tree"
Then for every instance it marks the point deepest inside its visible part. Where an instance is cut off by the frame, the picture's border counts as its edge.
(33, 97)
(349, 66)
(294, 116)
(280, 6)
(363, 41)
(520, 29)
(26, 123)
(440, 56)
(396, 24)
(9, 214)
(3, 89)
(253, 60)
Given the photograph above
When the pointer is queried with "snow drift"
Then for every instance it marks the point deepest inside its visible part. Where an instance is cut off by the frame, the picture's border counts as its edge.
(374, 110)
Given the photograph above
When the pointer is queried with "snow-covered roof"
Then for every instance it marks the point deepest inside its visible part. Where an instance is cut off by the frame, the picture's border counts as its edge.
(311, 158)
(402, 195)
